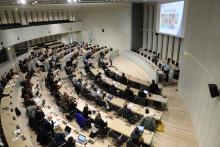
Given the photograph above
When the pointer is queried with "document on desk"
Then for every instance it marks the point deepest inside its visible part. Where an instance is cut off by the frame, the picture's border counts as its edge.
(17, 132)
(130, 105)
(7, 90)
(57, 123)
(15, 139)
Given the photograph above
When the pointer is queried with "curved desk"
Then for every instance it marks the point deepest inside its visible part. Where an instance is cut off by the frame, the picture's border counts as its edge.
(114, 123)
(153, 71)
(9, 120)
(119, 102)
(153, 97)
(51, 109)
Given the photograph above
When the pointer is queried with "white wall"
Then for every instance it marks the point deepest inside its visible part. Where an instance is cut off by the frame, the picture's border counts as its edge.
(115, 19)
(65, 38)
(10, 37)
(199, 67)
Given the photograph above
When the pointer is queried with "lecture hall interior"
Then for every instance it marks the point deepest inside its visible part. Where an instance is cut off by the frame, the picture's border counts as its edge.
(109, 73)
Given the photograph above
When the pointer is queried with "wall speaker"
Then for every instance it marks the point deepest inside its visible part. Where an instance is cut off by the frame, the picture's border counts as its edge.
(213, 88)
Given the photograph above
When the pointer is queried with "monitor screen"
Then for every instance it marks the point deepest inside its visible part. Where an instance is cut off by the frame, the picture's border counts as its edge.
(68, 129)
(171, 18)
(81, 138)
(141, 128)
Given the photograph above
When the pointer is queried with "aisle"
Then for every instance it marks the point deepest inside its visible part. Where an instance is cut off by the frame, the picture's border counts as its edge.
(178, 125)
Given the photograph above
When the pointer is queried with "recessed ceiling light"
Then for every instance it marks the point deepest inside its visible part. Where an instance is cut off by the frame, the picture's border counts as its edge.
(23, 1)
(69, 1)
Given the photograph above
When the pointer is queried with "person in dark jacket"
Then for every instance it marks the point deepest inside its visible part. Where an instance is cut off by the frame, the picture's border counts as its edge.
(70, 142)
(129, 95)
(154, 88)
(86, 111)
(124, 79)
(126, 113)
(141, 93)
(137, 137)
(99, 123)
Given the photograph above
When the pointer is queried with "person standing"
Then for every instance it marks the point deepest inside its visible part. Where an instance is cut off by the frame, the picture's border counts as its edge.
(167, 70)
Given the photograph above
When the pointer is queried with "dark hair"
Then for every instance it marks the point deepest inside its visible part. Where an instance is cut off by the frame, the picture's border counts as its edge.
(70, 139)
(125, 105)
(147, 111)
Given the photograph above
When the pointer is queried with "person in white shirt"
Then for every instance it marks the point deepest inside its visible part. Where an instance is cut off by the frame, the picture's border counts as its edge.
(167, 70)
(74, 79)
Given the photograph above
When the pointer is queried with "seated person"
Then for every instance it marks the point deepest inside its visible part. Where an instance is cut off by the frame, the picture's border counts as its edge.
(39, 114)
(126, 113)
(99, 123)
(140, 101)
(123, 79)
(86, 111)
(94, 92)
(113, 89)
(74, 79)
(57, 94)
(104, 65)
(148, 121)
(31, 112)
(78, 86)
(68, 70)
(129, 94)
(107, 72)
(65, 97)
(84, 89)
(137, 137)
(59, 136)
(154, 88)
(70, 142)
(98, 76)
(72, 105)
(48, 125)
(141, 93)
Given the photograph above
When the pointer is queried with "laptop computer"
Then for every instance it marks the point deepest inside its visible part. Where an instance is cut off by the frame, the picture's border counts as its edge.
(141, 128)
(67, 130)
(81, 139)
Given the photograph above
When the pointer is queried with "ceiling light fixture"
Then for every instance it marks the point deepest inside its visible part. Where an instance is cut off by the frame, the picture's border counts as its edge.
(74, 1)
(23, 1)
(69, 1)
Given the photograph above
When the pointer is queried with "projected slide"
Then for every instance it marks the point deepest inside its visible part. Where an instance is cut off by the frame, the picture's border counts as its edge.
(171, 15)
